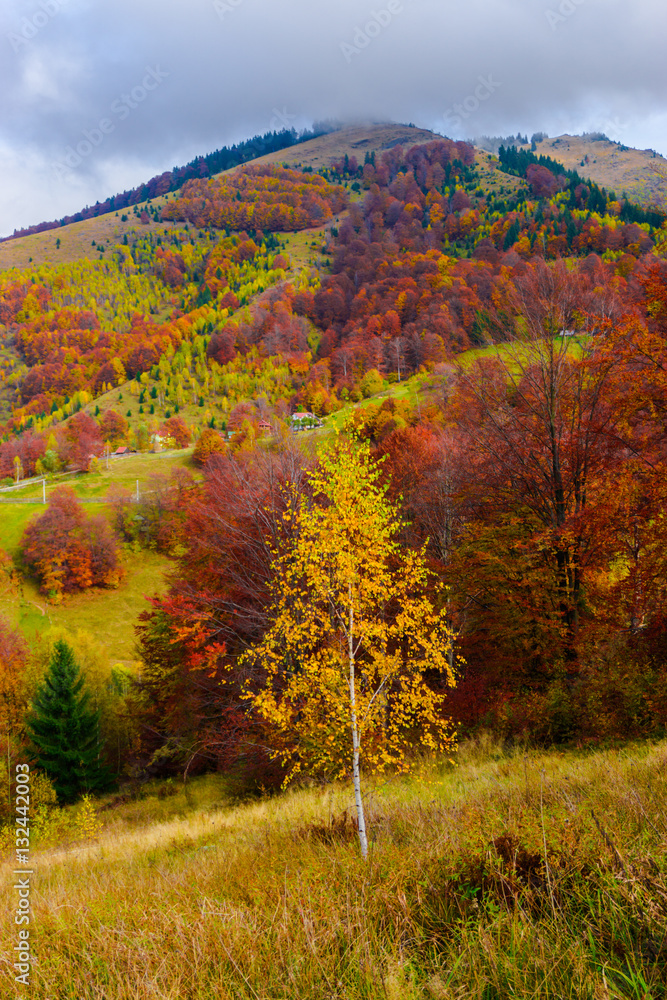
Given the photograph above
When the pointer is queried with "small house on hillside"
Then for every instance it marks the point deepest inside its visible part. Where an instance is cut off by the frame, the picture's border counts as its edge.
(304, 420)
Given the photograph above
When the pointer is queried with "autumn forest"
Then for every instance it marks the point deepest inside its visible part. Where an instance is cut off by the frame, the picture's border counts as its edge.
(333, 575)
(487, 335)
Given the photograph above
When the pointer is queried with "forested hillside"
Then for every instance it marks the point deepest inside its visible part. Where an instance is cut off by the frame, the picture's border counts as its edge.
(641, 173)
(320, 473)
(493, 330)
(172, 180)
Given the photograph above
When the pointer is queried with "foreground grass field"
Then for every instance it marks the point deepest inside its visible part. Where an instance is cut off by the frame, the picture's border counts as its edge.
(529, 875)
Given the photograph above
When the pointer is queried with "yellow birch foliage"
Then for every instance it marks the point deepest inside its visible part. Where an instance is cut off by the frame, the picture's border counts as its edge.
(353, 631)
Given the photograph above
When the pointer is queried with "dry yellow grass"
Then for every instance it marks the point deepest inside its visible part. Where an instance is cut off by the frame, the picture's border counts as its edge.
(76, 240)
(356, 141)
(194, 897)
(640, 173)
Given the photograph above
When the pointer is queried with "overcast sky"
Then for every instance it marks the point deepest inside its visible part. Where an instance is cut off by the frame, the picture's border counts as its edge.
(141, 86)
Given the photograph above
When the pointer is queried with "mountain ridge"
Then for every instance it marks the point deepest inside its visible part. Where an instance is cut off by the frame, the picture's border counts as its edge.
(639, 174)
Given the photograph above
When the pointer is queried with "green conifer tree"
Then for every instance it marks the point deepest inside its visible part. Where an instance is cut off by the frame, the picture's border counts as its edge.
(64, 731)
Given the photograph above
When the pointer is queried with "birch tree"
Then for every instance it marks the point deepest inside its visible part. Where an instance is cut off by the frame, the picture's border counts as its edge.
(353, 633)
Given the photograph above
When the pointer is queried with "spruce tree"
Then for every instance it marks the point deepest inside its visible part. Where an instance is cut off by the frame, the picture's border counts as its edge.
(64, 731)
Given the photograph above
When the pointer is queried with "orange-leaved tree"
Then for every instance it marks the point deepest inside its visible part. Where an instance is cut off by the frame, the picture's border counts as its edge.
(353, 634)
(176, 432)
(210, 443)
(68, 551)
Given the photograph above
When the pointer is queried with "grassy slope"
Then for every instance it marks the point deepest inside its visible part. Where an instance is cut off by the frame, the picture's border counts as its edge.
(640, 173)
(192, 896)
(494, 181)
(109, 615)
(356, 140)
(513, 356)
(121, 472)
(408, 390)
(76, 240)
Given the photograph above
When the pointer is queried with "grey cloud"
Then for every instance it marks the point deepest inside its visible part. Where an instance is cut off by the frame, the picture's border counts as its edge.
(227, 65)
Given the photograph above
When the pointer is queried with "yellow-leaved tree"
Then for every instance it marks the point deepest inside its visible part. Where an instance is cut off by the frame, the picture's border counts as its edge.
(353, 633)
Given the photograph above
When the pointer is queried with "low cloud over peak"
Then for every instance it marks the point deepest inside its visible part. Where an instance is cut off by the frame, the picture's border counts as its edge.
(149, 85)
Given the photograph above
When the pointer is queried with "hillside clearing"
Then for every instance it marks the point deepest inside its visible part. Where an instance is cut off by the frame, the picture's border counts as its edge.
(356, 140)
(108, 615)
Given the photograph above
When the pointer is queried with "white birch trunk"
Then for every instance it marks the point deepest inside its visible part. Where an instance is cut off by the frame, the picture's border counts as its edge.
(356, 776)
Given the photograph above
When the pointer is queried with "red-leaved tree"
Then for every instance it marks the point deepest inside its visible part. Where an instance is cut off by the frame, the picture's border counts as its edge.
(68, 551)
(216, 608)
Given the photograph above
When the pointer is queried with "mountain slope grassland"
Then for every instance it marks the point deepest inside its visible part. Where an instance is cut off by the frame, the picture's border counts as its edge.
(356, 140)
(109, 614)
(639, 173)
(520, 874)
(89, 239)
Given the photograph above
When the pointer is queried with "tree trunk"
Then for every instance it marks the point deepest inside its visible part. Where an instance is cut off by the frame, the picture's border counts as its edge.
(356, 776)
